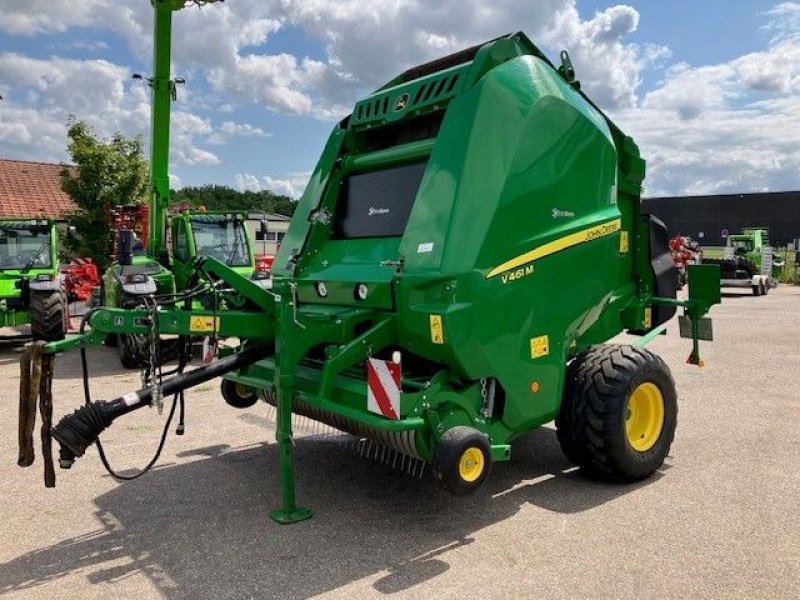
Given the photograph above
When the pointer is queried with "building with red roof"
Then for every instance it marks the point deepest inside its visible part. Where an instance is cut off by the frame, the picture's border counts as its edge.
(32, 189)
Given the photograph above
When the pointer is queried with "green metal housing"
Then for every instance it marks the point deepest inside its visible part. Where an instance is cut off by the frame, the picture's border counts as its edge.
(524, 245)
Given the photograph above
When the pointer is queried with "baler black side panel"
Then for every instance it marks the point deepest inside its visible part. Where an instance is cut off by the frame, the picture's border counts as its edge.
(664, 271)
(378, 203)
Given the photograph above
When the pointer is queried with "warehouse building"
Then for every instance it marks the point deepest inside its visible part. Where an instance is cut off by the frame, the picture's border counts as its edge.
(709, 219)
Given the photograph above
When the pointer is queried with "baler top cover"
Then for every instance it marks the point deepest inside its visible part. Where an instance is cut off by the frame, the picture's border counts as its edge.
(454, 190)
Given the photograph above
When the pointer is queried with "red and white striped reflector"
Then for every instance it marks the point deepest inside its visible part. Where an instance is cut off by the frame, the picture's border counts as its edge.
(383, 388)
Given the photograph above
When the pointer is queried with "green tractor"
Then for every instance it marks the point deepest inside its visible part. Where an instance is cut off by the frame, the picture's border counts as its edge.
(749, 262)
(220, 235)
(469, 242)
(31, 290)
(134, 275)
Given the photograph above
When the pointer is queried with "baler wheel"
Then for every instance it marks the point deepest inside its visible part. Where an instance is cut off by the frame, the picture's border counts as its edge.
(462, 460)
(619, 412)
(756, 290)
(238, 395)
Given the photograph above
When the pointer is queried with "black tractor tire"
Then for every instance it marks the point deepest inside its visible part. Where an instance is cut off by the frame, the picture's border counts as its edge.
(618, 414)
(462, 460)
(133, 350)
(48, 315)
(238, 395)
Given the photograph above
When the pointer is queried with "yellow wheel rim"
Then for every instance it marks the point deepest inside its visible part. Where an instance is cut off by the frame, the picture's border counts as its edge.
(242, 390)
(644, 417)
(471, 464)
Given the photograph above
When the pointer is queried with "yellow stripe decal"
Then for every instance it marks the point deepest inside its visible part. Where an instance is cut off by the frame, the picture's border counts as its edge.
(573, 239)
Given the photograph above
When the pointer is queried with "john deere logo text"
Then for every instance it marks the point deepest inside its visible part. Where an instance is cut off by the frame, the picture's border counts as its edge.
(378, 211)
(401, 102)
(602, 230)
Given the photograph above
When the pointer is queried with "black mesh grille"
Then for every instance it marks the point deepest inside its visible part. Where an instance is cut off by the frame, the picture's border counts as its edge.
(403, 132)
(440, 64)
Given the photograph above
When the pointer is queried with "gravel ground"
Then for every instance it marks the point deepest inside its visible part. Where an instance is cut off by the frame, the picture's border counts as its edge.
(721, 520)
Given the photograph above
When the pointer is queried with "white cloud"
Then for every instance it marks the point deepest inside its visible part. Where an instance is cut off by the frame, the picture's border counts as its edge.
(175, 182)
(293, 185)
(229, 129)
(784, 22)
(366, 44)
(38, 16)
(277, 80)
(727, 150)
(44, 94)
(87, 46)
(729, 127)
(608, 68)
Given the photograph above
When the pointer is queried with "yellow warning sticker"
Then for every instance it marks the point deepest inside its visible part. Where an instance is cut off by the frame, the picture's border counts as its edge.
(437, 330)
(623, 242)
(203, 324)
(648, 318)
(540, 346)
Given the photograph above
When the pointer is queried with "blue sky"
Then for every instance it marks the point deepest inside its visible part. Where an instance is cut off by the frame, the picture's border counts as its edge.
(708, 89)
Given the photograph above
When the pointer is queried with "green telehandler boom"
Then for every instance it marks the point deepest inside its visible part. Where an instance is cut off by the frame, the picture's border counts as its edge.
(162, 269)
(470, 240)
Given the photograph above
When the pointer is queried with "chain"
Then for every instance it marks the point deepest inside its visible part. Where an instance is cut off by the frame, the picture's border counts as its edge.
(488, 398)
(152, 380)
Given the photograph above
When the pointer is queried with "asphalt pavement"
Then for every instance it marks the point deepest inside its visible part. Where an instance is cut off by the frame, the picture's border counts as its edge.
(720, 520)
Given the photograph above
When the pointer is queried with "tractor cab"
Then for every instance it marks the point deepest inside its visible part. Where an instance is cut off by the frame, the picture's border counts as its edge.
(25, 245)
(222, 236)
(741, 244)
(30, 286)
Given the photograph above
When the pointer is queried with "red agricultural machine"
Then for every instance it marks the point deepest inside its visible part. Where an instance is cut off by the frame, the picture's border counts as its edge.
(80, 276)
(684, 251)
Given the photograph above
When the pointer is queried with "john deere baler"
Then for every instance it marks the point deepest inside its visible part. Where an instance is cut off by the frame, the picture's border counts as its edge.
(470, 236)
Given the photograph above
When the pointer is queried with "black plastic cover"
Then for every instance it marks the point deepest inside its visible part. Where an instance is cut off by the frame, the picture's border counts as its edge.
(377, 204)
(664, 270)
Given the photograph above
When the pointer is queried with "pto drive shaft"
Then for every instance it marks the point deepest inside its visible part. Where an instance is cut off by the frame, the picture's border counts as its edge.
(76, 432)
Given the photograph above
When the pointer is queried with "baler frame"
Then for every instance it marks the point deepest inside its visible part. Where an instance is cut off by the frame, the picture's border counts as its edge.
(274, 318)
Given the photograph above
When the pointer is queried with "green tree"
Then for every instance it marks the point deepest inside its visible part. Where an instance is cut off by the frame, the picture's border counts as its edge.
(220, 197)
(105, 174)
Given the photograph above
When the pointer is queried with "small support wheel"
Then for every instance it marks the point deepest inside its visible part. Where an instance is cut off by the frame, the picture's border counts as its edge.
(764, 288)
(238, 395)
(756, 290)
(462, 460)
